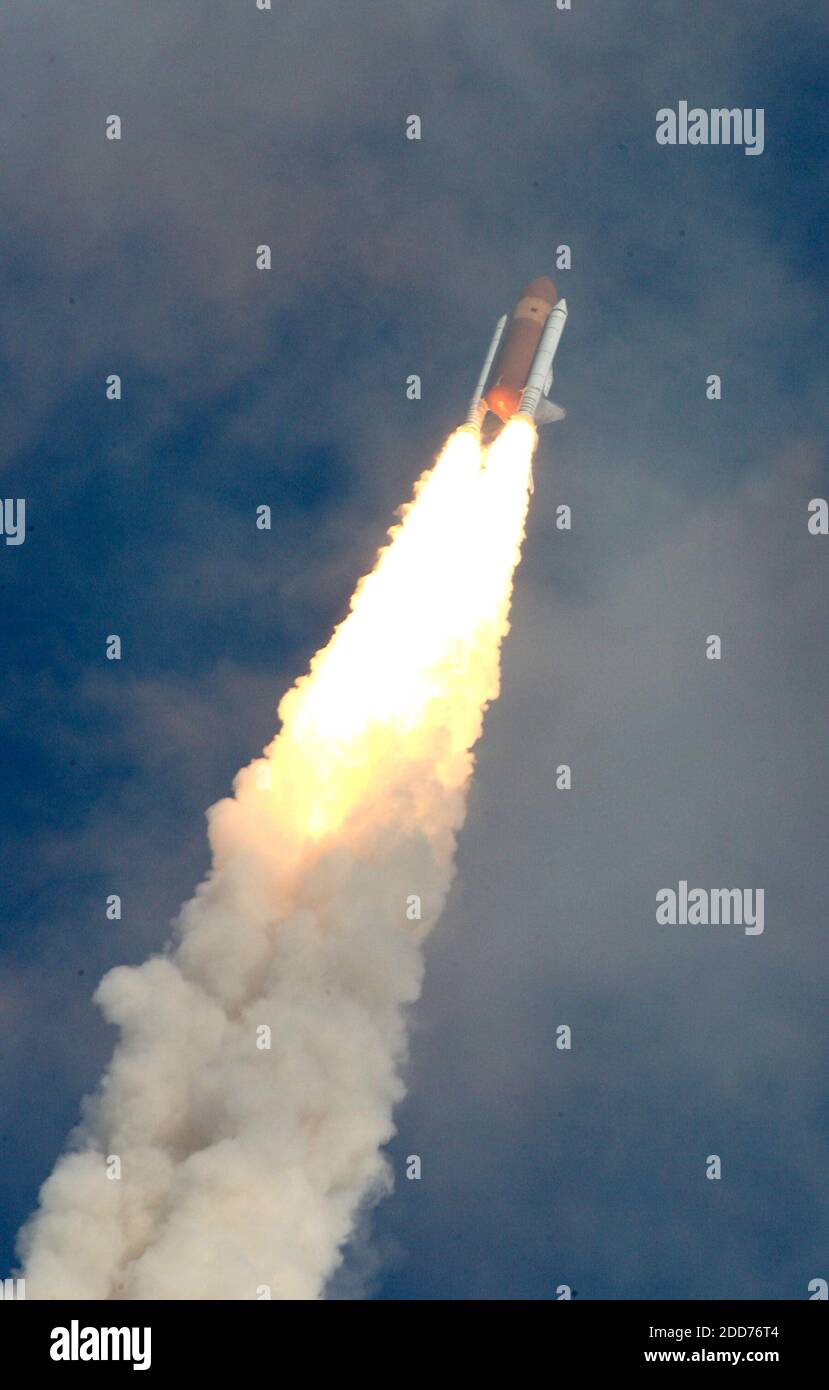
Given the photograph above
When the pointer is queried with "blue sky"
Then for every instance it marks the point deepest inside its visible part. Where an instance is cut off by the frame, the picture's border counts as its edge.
(288, 388)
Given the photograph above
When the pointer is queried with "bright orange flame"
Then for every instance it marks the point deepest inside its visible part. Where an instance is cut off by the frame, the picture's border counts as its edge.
(406, 677)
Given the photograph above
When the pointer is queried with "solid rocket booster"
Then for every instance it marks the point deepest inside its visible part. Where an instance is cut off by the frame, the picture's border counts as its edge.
(540, 379)
(477, 406)
(518, 368)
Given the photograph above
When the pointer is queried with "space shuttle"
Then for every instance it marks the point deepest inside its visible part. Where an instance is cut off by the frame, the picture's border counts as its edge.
(518, 368)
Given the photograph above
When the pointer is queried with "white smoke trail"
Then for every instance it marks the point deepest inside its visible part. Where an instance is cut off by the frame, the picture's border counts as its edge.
(243, 1166)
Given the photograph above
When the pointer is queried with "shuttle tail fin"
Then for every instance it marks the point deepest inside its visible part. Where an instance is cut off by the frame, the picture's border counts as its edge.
(548, 411)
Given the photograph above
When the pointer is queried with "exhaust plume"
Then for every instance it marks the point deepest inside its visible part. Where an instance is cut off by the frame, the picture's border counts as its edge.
(251, 1092)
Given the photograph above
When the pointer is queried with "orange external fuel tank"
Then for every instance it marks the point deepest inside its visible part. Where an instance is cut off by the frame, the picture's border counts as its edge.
(516, 352)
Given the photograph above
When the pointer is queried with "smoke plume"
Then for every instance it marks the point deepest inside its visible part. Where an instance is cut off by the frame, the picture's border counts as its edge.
(240, 1125)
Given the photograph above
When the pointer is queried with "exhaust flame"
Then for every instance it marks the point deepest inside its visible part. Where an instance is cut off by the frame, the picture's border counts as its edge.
(252, 1090)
